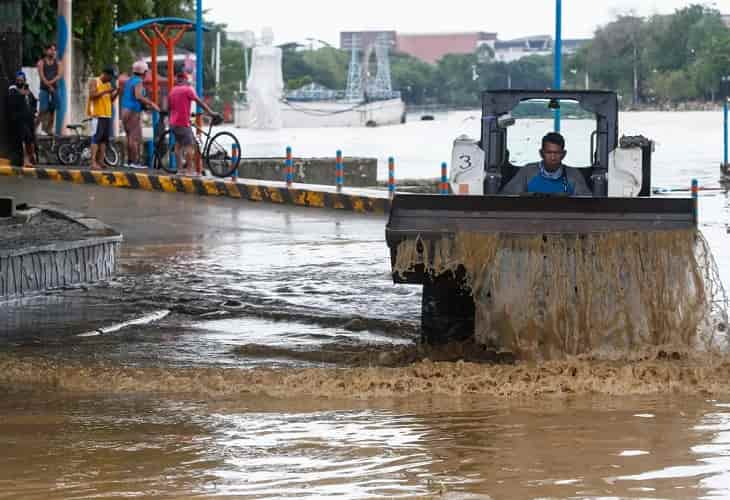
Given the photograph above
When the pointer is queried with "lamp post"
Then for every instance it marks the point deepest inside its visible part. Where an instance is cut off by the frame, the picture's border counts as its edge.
(199, 49)
(558, 55)
(64, 88)
(725, 81)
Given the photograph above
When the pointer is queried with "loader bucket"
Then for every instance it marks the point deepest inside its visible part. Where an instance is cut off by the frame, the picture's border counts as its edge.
(433, 217)
(544, 278)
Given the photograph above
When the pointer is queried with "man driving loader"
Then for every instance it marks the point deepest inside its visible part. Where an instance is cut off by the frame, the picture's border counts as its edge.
(549, 175)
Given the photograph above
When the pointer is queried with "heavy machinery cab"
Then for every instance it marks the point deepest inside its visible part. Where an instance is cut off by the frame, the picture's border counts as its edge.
(497, 106)
(603, 159)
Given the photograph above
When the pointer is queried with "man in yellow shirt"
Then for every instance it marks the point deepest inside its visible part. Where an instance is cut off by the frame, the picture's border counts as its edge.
(99, 108)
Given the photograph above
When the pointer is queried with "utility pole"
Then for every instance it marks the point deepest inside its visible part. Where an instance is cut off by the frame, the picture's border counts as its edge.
(217, 61)
(11, 59)
(558, 55)
(198, 50)
(64, 46)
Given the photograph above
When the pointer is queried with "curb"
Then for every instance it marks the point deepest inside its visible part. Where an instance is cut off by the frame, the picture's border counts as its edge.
(58, 263)
(209, 187)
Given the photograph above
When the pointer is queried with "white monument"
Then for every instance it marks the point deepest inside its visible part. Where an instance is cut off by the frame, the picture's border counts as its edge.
(265, 85)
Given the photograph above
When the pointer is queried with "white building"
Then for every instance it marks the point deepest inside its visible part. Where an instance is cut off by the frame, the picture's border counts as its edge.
(540, 45)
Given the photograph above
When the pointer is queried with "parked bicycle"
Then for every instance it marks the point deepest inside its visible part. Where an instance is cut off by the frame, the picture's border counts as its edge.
(220, 153)
(78, 150)
(44, 151)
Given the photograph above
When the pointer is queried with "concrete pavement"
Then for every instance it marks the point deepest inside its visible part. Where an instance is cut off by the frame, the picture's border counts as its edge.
(305, 195)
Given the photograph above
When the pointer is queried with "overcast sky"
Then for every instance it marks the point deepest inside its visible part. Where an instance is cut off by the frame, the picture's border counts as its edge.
(324, 19)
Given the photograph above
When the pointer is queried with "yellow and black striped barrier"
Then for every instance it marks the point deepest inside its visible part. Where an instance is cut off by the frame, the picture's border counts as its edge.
(208, 187)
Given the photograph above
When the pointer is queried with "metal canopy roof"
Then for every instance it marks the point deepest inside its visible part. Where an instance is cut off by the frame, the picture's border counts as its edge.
(165, 21)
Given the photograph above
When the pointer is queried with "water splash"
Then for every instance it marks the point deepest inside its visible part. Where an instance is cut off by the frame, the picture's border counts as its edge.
(551, 296)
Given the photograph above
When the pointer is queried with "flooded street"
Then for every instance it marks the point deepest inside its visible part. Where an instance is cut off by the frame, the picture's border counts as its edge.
(257, 351)
(65, 446)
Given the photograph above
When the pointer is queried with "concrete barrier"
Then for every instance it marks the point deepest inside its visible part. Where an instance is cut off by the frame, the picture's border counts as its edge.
(57, 263)
(352, 199)
(359, 172)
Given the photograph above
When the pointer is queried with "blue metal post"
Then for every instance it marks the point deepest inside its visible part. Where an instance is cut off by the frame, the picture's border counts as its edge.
(558, 55)
(339, 171)
(289, 164)
(695, 200)
(199, 50)
(725, 129)
(444, 189)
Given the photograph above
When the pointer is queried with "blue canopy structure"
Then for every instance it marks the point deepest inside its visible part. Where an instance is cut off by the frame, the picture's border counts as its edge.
(162, 21)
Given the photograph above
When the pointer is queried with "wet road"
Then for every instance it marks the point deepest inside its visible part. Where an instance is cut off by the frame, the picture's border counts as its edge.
(244, 282)
(157, 410)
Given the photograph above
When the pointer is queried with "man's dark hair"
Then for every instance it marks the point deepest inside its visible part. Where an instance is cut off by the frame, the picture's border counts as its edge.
(49, 45)
(553, 138)
(109, 71)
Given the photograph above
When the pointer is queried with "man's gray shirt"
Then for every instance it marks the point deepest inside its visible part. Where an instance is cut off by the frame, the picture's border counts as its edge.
(518, 183)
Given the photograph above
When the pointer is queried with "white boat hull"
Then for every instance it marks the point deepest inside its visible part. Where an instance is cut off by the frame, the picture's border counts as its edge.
(333, 114)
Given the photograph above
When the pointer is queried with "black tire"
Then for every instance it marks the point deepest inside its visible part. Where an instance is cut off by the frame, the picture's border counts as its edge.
(111, 156)
(447, 311)
(164, 153)
(218, 156)
(67, 154)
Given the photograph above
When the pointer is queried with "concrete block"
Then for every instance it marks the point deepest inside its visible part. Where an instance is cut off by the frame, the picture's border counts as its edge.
(7, 206)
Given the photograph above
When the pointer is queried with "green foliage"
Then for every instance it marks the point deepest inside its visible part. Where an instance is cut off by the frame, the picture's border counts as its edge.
(413, 77)
(93, 26)
(39, 27)
(677, 57)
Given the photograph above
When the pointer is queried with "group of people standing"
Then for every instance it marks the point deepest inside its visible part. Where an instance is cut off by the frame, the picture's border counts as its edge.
(27, 112)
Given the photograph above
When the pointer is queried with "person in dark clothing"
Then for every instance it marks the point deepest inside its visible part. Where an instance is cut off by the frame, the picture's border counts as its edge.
(27, 123)
(16, 102)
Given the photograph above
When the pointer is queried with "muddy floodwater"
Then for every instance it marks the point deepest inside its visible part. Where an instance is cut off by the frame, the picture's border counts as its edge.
(255, 351)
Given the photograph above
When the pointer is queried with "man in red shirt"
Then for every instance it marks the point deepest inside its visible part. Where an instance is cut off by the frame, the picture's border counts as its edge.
(180, 99)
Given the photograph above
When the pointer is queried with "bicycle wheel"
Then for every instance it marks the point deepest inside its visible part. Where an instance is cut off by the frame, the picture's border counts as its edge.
(165, 153)
(111, 155)
(222, 154)
(67, 154)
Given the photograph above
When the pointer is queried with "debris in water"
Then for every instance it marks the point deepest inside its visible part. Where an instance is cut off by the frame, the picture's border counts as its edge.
(144, 320)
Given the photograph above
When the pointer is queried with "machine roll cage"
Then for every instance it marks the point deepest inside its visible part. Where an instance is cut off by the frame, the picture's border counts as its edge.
(497, 103)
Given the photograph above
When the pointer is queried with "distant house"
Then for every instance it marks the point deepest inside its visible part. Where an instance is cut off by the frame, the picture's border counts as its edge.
(428, 47)
(542, 45)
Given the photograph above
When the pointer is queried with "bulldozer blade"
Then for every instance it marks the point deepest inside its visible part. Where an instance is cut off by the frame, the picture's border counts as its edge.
(432, 217)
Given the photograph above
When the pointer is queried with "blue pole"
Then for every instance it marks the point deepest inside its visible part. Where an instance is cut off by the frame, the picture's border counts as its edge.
(695, 200)
(199, 50)
(558, 55)
(725, 128)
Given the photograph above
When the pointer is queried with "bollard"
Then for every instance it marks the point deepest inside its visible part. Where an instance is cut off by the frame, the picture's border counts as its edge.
(444, 179)
(289, 167)
(339, 172)
(725, 132)
(235, 158)
(695, 200)
(391, 177)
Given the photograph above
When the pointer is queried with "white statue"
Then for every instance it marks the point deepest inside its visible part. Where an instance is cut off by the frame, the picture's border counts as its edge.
(265, 84)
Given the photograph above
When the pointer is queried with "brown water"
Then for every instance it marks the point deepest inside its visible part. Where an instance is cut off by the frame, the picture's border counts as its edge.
(112, 446)
(286, 368)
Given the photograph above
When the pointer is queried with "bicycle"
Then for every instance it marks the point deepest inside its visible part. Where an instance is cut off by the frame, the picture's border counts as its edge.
(221, 152)
(78, 150)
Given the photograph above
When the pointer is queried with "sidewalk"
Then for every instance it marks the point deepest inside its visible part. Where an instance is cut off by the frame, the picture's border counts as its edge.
(360, 200)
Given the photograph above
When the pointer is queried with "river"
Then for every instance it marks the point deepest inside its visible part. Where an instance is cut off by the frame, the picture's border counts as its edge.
(278, 361)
